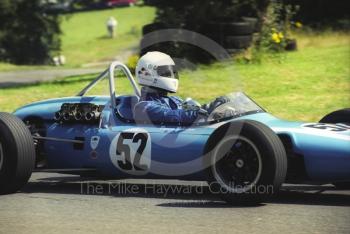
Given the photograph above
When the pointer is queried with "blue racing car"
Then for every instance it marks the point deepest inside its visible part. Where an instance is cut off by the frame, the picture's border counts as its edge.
(243, 152)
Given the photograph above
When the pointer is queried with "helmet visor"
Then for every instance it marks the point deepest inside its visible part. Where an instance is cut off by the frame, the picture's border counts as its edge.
(167, 71)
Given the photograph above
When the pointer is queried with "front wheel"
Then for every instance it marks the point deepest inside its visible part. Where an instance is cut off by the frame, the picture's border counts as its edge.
(342, 185)
(17, 154)
(249, 166)
(339, 116)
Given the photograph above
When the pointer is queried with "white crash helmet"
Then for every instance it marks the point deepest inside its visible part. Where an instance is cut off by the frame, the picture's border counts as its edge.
(156, 69)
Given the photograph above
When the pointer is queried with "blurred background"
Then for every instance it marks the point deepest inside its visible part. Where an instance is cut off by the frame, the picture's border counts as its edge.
(292, 57)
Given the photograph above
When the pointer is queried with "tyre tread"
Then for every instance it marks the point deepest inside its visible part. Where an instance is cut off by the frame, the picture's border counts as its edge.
(25, 153)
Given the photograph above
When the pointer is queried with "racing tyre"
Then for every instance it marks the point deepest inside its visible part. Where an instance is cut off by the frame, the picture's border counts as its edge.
(148, 28)
(342, 185)
(339, 116)
(232, 28)
(17, 154)
(238, 28)
(248, 167)
(254, 22)
(238, 42)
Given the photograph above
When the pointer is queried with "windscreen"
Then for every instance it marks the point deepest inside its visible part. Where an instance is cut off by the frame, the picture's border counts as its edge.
(239, 104)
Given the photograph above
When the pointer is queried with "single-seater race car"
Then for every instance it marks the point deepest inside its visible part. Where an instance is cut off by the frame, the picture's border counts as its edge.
(243, 152)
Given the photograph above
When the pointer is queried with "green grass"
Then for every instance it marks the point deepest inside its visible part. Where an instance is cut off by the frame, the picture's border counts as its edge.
(302, 85)
(84, 35)
(85, 40)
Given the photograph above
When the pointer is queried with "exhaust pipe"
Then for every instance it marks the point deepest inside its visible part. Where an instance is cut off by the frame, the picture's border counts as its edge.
(78, 116)
(89, 116)
(67, 116)
(92, 116)
(58, 116)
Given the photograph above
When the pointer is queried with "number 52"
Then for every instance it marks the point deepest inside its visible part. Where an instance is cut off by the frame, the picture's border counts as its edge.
(124, 150)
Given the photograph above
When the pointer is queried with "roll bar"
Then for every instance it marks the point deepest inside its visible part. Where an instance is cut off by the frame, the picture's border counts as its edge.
(110, 71)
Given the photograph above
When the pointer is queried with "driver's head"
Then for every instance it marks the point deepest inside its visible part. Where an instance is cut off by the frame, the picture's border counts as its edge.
(157, 70)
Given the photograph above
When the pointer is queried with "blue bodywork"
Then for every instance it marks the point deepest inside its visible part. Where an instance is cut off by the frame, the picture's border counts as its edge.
(163, 108)
(176, 151)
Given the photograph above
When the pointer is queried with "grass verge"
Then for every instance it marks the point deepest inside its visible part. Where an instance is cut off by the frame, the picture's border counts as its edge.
(84, 36)
(303, 85)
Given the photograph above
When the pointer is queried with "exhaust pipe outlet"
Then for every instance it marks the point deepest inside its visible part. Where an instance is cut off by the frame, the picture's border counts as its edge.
(89, 116)
(78, 116)
(67, 116)
(58, 116)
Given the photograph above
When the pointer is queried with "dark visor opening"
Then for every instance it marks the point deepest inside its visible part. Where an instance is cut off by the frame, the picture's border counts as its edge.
(167, 71)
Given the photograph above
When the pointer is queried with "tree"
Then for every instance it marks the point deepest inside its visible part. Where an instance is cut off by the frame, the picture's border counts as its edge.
(27, 34)
(6, 11)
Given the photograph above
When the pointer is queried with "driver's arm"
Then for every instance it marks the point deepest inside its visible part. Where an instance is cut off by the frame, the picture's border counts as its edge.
(157, 113)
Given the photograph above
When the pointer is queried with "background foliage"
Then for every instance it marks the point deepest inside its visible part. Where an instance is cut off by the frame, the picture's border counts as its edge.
(27, 34)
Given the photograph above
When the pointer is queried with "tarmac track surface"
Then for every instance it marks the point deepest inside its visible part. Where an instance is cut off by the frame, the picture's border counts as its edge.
(25, 77)
(53, 203)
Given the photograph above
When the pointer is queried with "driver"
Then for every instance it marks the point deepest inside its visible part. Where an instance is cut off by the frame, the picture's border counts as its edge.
(156, 72)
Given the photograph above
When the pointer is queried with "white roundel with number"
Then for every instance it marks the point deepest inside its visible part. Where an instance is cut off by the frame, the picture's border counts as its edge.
(130, 151)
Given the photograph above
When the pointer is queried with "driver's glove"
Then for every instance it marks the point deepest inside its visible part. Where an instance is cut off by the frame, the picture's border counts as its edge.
(206, 107)
(217, 102)
(203, 112)
(202, 116)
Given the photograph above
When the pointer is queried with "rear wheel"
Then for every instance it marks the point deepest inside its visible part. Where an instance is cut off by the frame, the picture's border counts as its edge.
(248, 167)
(17, 154)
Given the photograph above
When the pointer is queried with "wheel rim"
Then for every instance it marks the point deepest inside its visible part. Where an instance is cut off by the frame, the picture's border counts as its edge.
(1, 156)
(238, 170)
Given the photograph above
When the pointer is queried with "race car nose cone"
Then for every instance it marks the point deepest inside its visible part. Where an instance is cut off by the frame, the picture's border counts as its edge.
(239, 163)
